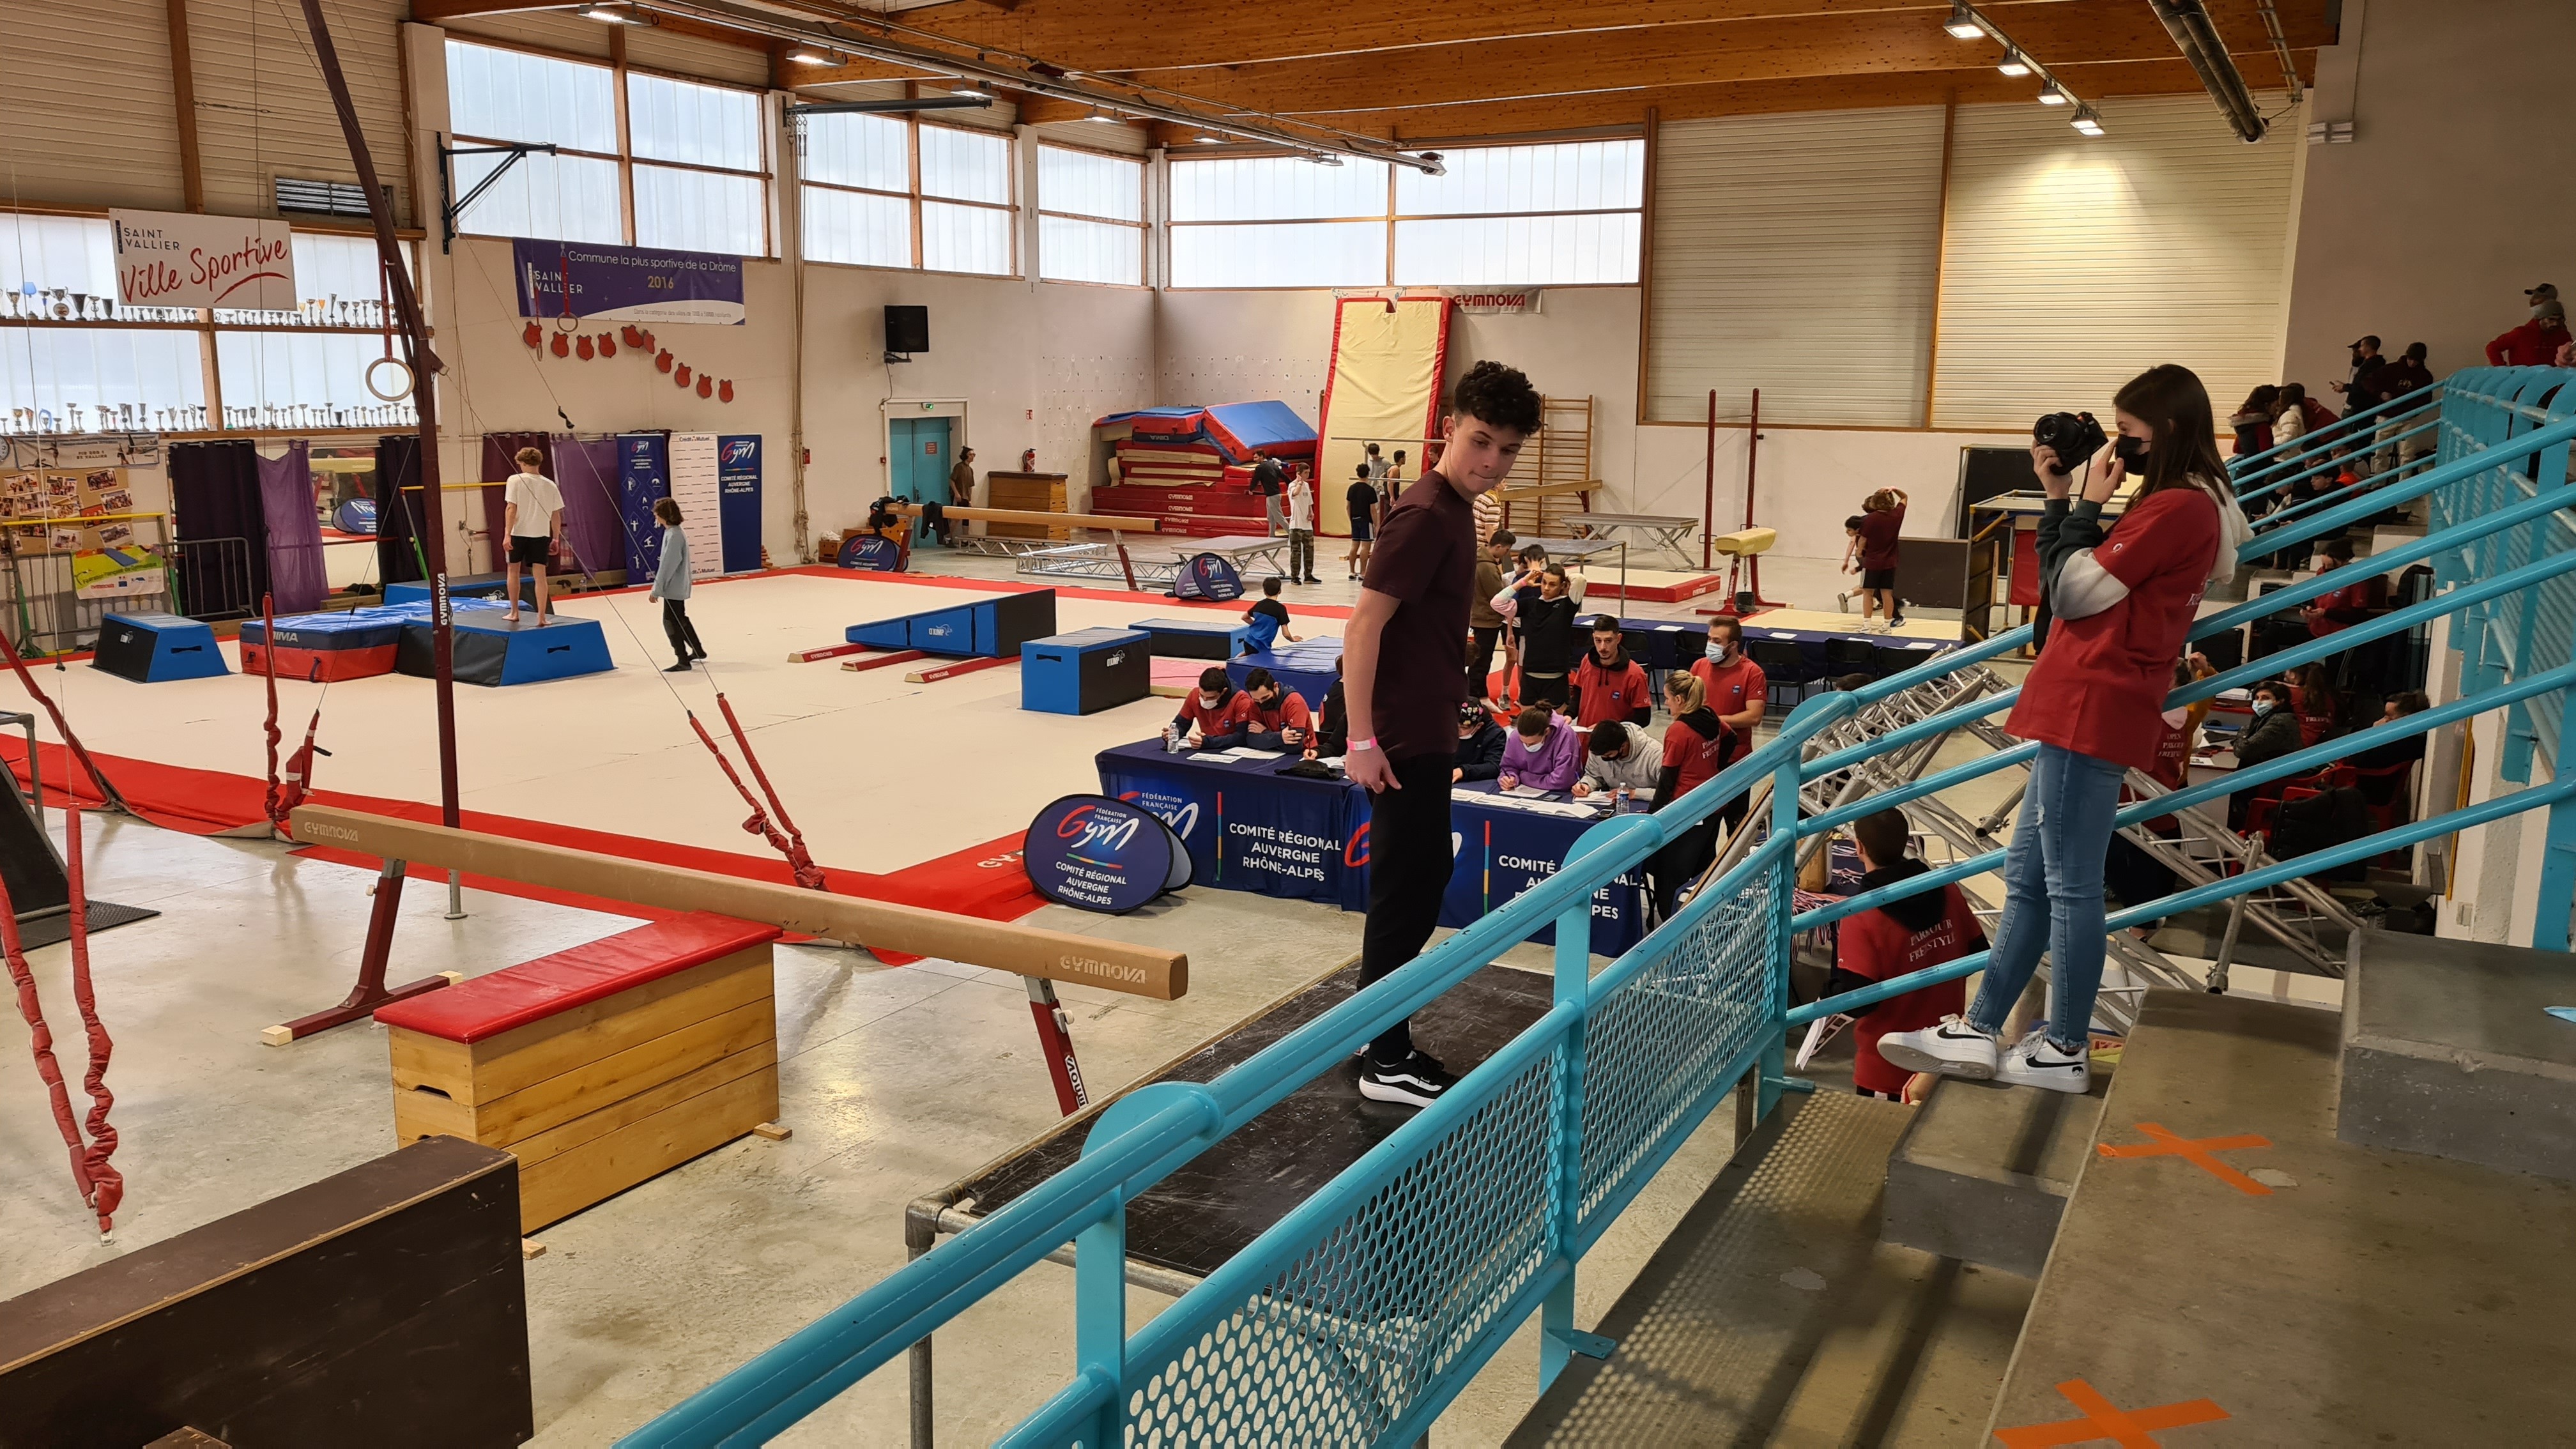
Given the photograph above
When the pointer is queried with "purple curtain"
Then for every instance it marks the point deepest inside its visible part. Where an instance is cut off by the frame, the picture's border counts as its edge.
(222, 528)
(295, 574)
(586, 474)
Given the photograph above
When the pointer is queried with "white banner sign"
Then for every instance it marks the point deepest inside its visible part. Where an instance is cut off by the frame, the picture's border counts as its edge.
(179, 259)
(1502, 302)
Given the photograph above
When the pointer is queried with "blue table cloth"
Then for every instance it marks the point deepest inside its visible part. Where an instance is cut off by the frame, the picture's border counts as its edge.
(1308, 667)
(1249, 827)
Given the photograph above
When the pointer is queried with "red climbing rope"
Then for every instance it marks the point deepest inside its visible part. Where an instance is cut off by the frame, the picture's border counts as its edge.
(808, 874)
(268, 661)
(101, 1186)
(108, 793)
(790, 845)
(40, 1039)
(105, 1185)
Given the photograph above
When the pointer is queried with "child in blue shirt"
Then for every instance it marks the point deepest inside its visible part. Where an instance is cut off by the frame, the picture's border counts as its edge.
(1268, 619)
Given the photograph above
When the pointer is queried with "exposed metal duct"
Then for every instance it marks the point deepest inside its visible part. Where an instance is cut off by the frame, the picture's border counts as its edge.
(1256, 126)
(2188, 22)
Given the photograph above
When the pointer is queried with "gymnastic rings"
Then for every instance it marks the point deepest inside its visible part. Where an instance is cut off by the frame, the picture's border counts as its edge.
(401, 390)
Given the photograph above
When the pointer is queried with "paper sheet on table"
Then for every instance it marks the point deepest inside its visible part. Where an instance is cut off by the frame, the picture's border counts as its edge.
(1204, 757)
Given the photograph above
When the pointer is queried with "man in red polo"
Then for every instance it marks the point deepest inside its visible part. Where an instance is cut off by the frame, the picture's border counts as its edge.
(1738, 693)
(1404, 656)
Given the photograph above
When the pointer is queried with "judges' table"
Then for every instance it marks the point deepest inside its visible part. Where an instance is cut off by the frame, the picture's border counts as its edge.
(1251, 828)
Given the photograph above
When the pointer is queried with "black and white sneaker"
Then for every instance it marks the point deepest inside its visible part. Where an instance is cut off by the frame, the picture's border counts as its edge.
(1417, 1081)
(2038, 1062)
(1953, 1048)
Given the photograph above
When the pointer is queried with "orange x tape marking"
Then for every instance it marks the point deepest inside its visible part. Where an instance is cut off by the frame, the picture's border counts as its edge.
(2196, 1151)
(2131, 1429)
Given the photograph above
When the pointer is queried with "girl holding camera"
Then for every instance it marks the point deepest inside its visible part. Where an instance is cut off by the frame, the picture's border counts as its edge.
(2122, 603)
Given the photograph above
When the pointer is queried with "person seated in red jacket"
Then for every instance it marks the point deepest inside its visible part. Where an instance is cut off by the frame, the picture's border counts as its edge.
(1277, 718)
(1897, 939)
(1215, 716)
(2352, 604)
(2535, 343)
(1608, 685)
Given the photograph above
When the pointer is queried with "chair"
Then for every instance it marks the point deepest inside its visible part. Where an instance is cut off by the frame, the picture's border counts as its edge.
(1784, 666)
(1850, 656)
(1887, 659)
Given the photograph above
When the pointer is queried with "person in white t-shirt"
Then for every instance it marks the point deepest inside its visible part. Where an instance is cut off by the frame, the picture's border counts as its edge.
(1301, 527)
(532, 510)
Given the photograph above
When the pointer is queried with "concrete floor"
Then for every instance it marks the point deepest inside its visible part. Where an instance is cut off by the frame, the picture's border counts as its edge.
(2369, 1296)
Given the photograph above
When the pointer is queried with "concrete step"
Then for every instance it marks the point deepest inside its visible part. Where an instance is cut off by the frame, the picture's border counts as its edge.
(2312, 1291)
(2447, 1050)
(1773, 1315)
(1983, 1172)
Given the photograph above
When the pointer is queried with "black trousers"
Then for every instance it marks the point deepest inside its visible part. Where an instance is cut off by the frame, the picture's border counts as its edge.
(1480, 661)
(1409, 865)
(1674, 867)
(677, 628)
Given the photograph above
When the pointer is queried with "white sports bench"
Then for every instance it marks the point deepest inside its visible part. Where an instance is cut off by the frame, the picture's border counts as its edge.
(1670, 532)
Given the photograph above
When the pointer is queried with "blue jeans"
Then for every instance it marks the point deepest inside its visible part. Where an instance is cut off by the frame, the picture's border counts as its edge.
(2053, 894)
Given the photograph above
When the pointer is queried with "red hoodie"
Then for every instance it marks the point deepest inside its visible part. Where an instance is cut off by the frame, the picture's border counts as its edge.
(2533, 344)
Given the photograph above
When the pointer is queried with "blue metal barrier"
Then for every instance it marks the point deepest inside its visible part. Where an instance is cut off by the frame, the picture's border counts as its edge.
(1364, 1312)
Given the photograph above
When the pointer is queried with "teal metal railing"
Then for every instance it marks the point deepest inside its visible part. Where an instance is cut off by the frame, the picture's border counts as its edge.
(1365, 1311)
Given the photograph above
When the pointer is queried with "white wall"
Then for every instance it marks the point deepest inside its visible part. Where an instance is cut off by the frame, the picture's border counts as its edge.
(1229, 346)
(2449, 200)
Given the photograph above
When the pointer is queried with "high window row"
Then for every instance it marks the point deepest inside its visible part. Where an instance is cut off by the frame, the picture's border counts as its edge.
(665, 162)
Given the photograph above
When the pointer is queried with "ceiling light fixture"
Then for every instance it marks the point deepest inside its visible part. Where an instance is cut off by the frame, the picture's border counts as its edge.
(966, 90)
(1963, 22)
(2086, 121)
(1321, 159)
(1211, 140)
(613, 15)
(808, 55)
(1105, 120)
(2013, 64)
(2053, 94)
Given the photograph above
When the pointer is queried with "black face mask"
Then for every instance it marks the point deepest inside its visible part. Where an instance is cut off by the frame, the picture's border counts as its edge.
(2132, 452)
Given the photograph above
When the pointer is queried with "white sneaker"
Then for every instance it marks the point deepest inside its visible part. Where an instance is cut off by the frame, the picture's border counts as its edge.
(1953, 1049)
(2035, 1061)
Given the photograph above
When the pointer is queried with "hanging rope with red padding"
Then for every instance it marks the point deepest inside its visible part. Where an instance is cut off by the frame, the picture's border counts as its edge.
(105, 1185)
(101, 1186)
(790, 843)
(808, 874)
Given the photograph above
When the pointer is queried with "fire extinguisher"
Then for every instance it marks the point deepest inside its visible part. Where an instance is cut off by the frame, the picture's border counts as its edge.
(1028, 460)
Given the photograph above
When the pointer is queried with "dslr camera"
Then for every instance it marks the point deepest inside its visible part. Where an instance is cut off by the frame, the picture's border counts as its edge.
(2075, 436)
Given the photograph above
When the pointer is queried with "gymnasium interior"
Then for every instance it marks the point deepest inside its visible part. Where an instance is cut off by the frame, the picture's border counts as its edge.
(599, 851)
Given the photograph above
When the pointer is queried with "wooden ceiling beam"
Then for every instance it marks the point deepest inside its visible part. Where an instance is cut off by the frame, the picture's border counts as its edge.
(2060, 34)
(1100, 35)
(1982, 86)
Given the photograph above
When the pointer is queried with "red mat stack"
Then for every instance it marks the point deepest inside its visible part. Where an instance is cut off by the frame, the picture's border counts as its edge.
(1188, 485)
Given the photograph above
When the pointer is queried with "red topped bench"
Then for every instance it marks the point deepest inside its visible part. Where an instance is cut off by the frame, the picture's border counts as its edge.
(600, 1066)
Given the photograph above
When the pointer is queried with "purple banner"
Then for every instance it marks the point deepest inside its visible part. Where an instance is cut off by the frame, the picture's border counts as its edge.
(295, 573)
(625, 284)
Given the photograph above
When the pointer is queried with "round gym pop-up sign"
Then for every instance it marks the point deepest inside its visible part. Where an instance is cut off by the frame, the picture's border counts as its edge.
(1099, 854)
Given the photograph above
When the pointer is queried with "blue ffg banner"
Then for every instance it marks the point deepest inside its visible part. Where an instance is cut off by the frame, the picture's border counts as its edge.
(594, 283)
(643, 478)
(738, 499)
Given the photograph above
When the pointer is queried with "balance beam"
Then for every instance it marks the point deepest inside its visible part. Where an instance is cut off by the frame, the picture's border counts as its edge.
(1052, 955)
(1109, 522)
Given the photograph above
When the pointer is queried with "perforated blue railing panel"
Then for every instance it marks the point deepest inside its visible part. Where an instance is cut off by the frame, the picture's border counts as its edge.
(1343, 1342)
(1653, 1046)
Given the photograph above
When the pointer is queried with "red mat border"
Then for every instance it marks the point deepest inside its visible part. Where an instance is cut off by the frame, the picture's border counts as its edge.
(214, 802)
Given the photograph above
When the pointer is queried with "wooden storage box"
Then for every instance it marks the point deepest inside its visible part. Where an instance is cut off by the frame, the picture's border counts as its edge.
(600, 1066)
(1028, 493)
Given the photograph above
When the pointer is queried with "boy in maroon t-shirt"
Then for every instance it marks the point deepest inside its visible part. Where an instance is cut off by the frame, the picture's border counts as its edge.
(1897, 939)
(1882, 516)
